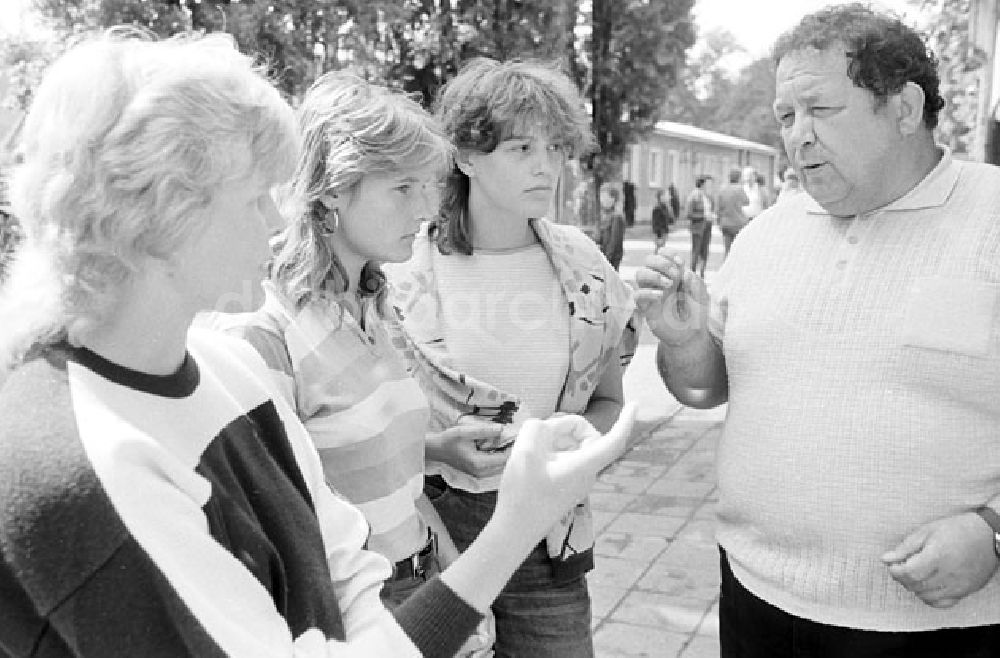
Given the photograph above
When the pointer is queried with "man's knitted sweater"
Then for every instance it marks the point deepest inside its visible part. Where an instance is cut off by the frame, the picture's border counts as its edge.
(185, 515)
(864, 369)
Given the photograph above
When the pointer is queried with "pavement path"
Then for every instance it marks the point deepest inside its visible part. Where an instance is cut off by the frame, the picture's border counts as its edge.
(656, 584)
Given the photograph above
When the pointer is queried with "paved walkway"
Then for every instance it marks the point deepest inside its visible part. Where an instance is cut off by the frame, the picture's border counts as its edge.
(655, 587)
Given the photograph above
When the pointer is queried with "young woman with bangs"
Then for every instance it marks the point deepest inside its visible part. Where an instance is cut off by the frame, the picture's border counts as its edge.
(508, 316)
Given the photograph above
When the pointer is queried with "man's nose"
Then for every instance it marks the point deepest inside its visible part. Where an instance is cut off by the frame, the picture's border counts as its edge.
(802, 131)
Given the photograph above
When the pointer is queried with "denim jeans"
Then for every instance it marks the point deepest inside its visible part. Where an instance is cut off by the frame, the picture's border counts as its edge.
(752, 628)
(535, 616)
(701, 238)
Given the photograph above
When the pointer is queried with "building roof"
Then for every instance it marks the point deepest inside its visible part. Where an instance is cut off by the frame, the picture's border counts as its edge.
(709, 137)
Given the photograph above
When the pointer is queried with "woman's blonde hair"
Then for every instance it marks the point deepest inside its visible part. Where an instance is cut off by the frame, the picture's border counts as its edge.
(350, 128)
(490, 101)
(125, 143)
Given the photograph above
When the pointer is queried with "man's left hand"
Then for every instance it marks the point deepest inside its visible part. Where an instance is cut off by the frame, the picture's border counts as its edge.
(945, 560)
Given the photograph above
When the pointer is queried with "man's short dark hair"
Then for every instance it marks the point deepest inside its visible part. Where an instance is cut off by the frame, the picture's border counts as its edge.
(700, 180)
(884, 54)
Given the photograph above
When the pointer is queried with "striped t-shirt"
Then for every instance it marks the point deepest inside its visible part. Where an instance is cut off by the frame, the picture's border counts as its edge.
(365, 414)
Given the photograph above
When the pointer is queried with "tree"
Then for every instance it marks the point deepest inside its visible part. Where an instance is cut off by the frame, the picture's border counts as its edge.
(285, 33)
(433, 39)
(947, 32)
(703, 80)
(633, 55)
(23, 59)
(625, 54)
(742, 107)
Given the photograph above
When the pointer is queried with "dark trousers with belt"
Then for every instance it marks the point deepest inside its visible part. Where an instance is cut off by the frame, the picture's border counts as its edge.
(729, 234)
(701, 238)
(752, 628)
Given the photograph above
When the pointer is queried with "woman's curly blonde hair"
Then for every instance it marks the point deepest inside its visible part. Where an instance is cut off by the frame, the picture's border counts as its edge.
(126, 141)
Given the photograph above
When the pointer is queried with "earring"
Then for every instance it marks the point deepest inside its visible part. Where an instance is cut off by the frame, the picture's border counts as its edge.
(331, 222)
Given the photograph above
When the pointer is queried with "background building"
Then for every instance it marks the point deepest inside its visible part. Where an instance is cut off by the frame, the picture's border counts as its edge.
(677, 153)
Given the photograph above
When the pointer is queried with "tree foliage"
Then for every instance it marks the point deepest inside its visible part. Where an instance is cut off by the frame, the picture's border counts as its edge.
(285, 33)
(947, 33)
(430, 41)
(23, 60)
(742, 107)
(625, 55)
(631, 58)
(737, 103)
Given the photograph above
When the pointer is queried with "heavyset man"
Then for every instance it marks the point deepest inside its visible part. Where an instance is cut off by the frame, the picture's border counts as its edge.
(853, 332)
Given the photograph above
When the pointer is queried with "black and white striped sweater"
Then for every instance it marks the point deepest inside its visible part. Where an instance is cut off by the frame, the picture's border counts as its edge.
(177, 516)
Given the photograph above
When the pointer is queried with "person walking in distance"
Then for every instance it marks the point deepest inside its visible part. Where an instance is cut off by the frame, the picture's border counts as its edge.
(733, 202)
(700, 212)
(612, 224)
(660, 220)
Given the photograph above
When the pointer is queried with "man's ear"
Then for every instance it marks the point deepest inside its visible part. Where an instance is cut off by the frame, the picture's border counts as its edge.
(910, 108)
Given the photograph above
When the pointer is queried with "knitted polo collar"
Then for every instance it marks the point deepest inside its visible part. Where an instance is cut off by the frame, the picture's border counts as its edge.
(931, 192)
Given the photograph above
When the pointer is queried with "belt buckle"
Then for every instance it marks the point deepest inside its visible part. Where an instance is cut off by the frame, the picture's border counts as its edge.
(418, 567)
(429, 549)
(415, 561)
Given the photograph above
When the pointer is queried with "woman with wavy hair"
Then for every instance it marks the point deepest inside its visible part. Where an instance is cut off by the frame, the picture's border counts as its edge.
(158, 497)
(367, 177)
(507, 317)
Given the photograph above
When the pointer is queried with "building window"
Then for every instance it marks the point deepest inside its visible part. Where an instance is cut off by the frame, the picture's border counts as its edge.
(673, 165)
(635, 155)
(655, 168)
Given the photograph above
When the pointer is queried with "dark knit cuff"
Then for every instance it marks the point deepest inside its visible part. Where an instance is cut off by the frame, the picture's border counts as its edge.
(437, 620)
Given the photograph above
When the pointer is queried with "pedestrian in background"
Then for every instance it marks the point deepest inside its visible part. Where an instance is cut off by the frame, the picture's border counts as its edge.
(628, 202)
(612, 224)
(660, 220)
(674, 200)
(733, 202)
(854, 333)
(765, 191)
(699, 210)
(790, 185)
(754, 188)
(508, 317)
